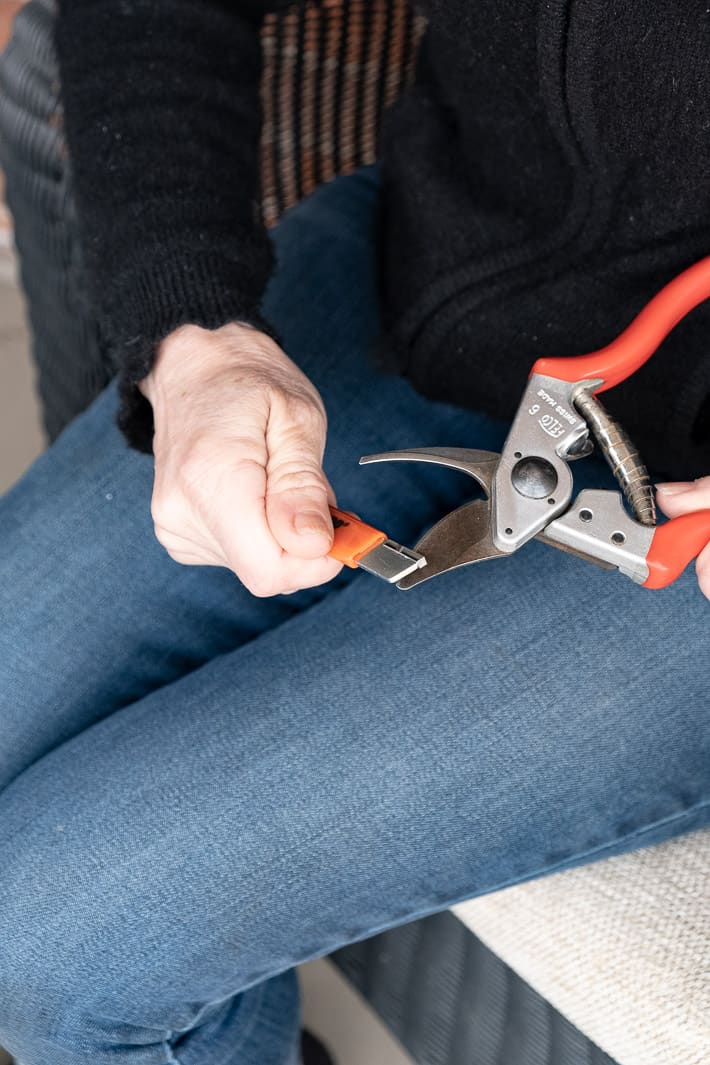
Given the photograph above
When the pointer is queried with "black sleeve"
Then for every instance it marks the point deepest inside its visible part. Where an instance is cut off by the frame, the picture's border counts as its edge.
(162, 115)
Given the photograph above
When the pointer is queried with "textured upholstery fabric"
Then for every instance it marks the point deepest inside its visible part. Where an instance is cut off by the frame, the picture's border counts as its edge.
(622, 948)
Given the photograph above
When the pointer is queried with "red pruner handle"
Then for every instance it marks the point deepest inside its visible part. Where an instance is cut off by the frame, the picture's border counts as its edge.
(635, 346)
(676, 543)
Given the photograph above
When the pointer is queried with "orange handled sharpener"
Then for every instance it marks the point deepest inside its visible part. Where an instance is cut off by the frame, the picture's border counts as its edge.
(358, 544)
(529, 486)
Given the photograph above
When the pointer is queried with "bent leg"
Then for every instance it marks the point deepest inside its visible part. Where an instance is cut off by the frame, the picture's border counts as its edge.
(373, 759)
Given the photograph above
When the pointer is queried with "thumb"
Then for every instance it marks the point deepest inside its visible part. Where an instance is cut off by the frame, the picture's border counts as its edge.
(297, 490)
(683, 497)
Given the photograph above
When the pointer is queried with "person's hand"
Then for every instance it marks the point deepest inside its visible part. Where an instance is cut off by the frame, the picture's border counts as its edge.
(239, 440)
(682, 497)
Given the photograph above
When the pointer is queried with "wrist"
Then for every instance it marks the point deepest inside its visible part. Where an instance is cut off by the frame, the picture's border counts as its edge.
(191, 353)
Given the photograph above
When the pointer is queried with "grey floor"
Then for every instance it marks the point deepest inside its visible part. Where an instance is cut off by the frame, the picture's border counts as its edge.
(331, 1008)
(20, 436)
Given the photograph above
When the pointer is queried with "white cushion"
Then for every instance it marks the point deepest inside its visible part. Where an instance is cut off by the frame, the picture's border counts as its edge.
(621, 948)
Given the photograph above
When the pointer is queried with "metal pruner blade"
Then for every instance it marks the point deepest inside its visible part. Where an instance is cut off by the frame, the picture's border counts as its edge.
(463, 536)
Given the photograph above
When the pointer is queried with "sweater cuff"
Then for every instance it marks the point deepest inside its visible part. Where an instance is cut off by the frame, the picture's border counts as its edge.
(207, 291)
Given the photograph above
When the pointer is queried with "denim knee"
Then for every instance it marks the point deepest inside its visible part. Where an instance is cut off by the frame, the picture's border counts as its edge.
(69, 990)
(74, 990)
(38, 991)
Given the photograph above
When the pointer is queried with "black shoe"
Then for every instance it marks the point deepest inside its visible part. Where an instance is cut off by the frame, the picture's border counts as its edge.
(313, 1052)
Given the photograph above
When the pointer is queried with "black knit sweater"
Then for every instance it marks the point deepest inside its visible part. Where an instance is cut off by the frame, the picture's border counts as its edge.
(547, 174)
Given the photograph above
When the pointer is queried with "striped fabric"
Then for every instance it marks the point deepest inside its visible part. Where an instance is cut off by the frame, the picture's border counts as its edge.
(71, 369)
(330, 70)
(451, 1001)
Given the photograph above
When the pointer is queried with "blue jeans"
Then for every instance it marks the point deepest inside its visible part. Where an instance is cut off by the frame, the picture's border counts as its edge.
(199, 789)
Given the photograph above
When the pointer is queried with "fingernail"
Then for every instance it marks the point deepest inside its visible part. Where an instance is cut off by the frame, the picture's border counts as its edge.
(675, 488)
(311, 522)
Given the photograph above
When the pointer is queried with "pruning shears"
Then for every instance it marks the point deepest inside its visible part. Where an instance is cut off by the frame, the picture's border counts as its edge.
(528, 486)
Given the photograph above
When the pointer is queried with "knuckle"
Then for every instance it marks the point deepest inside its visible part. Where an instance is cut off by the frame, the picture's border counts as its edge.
(305, 412)
(244, 464)
(162, 536)
(167, 542)
(297, 474)
(167, 510)
(702, 488)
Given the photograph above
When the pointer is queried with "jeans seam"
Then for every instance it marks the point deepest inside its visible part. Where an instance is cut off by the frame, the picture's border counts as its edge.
(559, 866)
(256, 1012)
(405, 918)
(516, 880)
(248, 1028)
